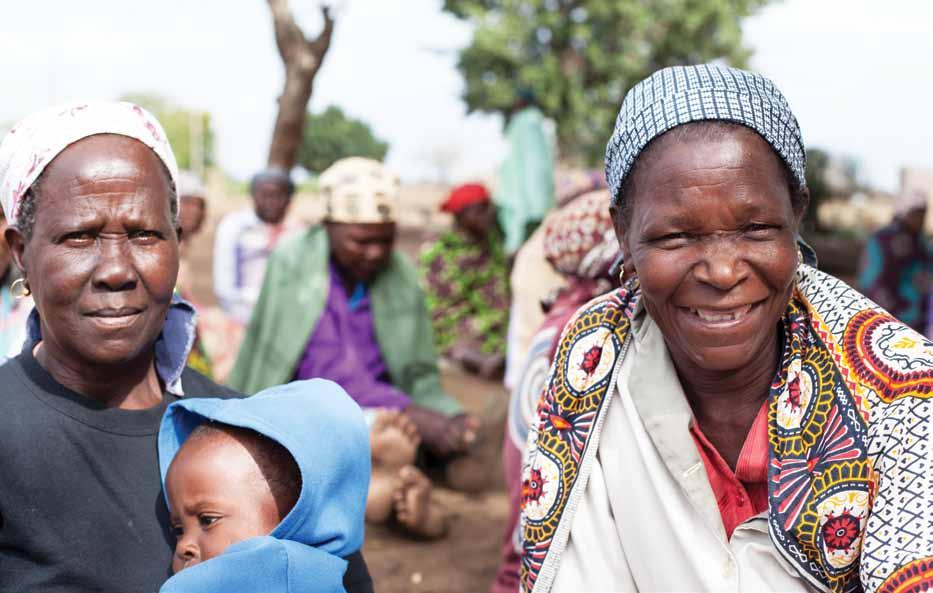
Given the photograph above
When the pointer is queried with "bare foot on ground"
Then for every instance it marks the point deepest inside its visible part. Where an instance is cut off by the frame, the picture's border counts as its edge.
(415, 511)
(393, 440)
(380, 501)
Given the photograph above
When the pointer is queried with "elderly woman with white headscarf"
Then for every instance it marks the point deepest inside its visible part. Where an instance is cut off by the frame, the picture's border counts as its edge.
(730, 419)
(90, 193)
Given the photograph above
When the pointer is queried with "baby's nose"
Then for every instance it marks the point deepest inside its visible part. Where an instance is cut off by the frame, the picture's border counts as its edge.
(187, 554)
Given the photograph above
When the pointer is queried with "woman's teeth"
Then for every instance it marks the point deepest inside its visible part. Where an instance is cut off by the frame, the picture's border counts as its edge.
(714, 316)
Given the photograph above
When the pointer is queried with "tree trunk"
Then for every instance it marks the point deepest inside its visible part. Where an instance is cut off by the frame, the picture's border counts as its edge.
(302, 58)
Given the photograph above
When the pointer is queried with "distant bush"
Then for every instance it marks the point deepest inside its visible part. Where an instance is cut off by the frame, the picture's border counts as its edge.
(332, 135)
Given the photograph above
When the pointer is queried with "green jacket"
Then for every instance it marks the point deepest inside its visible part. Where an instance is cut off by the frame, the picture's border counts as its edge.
(293, 296)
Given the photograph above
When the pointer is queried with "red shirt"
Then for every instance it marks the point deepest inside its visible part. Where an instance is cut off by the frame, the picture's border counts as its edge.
(741, 494)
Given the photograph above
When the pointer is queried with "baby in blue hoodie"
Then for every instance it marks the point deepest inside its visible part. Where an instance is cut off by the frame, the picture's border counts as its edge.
(266, 493)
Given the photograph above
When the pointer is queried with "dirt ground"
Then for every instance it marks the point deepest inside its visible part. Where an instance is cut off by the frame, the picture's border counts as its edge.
(466, 560)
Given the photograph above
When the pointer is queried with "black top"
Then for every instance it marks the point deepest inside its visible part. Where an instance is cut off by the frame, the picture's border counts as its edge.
(81, 505)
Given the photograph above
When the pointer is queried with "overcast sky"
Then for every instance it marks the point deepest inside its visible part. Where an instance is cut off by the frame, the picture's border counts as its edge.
(858, 73)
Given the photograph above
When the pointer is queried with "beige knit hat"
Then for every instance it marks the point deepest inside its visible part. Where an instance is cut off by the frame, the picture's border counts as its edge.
(359, 190)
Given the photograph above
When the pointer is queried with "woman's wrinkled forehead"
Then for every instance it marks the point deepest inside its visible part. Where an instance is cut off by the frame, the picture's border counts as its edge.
(102, 158)
(675, 96)
(35, 142)
(100, 166)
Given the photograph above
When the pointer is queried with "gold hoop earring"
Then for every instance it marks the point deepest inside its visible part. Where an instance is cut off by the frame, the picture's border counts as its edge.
(799, 257)
(621, 274)
(20, 289)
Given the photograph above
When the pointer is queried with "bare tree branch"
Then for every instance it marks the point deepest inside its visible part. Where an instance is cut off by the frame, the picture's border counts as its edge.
(302, 58)
(321, 44)
(287, 32)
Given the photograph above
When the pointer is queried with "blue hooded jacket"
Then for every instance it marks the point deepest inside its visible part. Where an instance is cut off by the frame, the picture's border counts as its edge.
(324, 430)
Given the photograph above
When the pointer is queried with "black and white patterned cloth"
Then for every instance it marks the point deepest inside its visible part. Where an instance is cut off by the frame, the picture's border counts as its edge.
(681, 94)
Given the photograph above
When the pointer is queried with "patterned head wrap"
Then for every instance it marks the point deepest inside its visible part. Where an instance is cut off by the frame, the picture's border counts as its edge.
(358, 190)
(579, 239)
(675, 96)
(574, 183)
(29, 147)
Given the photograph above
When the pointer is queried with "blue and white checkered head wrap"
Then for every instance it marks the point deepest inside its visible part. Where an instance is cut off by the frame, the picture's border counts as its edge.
(681, 94)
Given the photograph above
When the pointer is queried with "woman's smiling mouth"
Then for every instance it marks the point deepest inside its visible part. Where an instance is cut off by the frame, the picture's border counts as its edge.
(721, 315)
(721, 318)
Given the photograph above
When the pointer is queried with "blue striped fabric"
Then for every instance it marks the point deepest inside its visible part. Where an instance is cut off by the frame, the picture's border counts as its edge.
(682, 94)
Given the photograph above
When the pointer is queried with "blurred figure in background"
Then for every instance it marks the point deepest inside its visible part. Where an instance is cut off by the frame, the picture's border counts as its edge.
(15, 302)
(339, 302)
(246, 238)
(895, 267)
(533, 278)
(218, 335)
(466, 275)
(580, 245)
(525, 191)
(192, 207)
(192, 210)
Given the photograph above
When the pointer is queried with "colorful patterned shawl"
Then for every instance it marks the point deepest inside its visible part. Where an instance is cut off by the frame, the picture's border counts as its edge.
(850, 426)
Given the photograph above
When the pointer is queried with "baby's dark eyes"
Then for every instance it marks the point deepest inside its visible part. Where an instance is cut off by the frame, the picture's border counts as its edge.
(178, 530)
(207, 520)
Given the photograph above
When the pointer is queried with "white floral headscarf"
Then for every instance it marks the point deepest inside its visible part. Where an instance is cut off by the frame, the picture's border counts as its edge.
(29, 147)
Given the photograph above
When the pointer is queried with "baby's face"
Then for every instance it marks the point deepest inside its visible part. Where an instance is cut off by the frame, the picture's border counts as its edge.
(218, 497)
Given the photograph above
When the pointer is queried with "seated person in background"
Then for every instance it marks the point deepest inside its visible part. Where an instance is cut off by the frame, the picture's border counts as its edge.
(580, 245)
(895, 267)
(533, 278)
(339, 303)
(466, 273)
(245, 239)
(218, 334)
(192, 209)
(266, 493)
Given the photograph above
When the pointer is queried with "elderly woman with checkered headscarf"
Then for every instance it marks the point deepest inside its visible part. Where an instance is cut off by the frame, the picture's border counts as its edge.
(90, 191)
(731, 418)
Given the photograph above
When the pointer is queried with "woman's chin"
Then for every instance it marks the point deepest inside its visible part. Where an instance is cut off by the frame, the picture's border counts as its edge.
(724, 346)
(733, 357)
(120, 356)
(118, 351)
